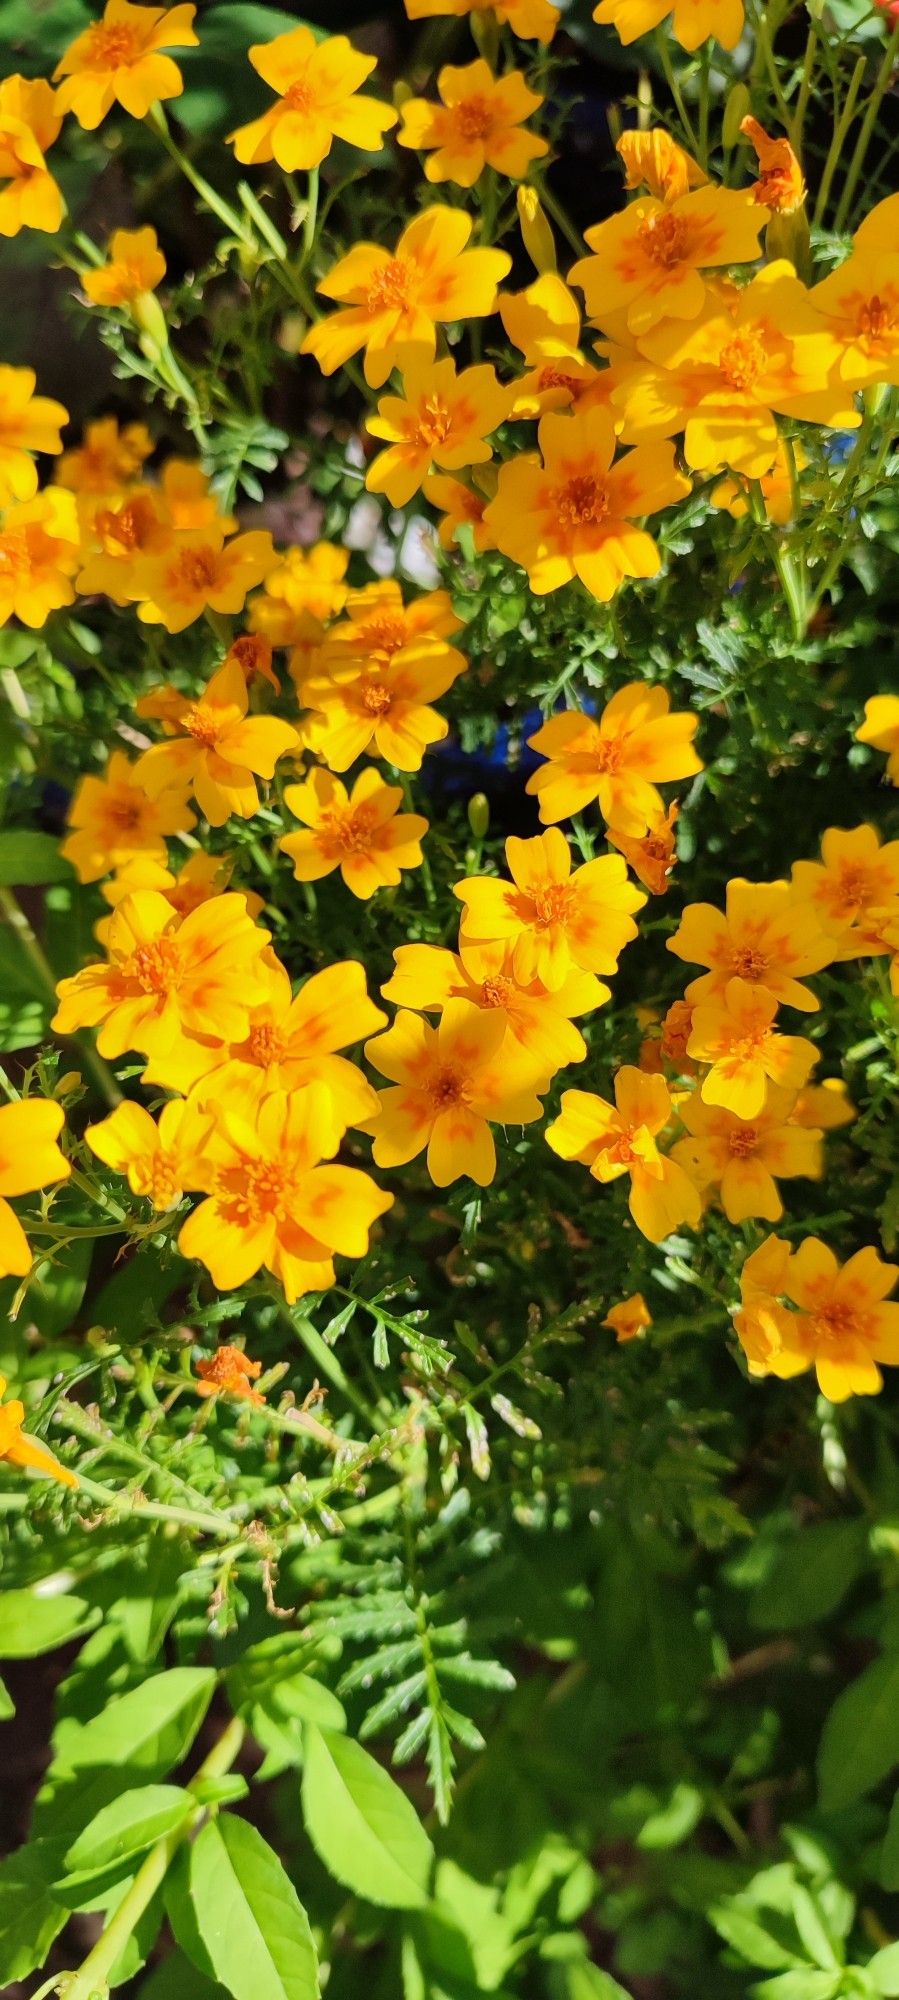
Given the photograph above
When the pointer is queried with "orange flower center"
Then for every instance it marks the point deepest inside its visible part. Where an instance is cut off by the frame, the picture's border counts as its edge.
(111, 47)
(496, 991)
(125, 814)
(300, 96)
(392, 288)
(748, 962)
(743, 1141)
(130, 527)
(266, 1044)
(23, 551)
(256, 1190)
(445, 1087)
(433, 423)
(776, 189)
(665, 239)
(193, 571)
(875, 318)
(203, 725)
(376, 698)
(385, 633)
(621, 1149)
(609, 754)
(474, 118)
(742, 360)
(551, 376)
(162, 1181)
(834, 1323)
(746, 1043)
(155, 967)
(347, 829)
(551, 905)
(582, 501)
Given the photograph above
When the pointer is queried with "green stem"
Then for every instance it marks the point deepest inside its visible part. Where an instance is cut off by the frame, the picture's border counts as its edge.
(840, 131)
(197, 1519)
(325, 1359)
(675, 89)
(562, 220)
(881, 86)
(14, 916)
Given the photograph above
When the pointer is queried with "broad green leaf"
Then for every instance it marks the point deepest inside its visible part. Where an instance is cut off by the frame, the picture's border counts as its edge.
(176, 1978)
(810, 1575)
(132, 1823)
(808, 1984)
(30, 1915)
(883, 1970)
(860, 1741)
(303, 1695)
(33, 1623)
(253, 1927)
(362, 1825)
(747, 1935)
(27, 859)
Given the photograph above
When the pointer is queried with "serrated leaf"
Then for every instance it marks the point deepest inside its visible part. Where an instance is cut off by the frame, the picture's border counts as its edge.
(253, 1928)
(362, 1825)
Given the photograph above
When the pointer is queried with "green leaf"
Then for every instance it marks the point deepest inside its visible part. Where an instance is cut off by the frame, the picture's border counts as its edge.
(746, 1935)
(883, 1969)
(810, 1575)
(362, 1825)
(30, 1915)
(31, 1623)
(889, 1853)
(132, 1823)
(7, 1705)
(25, 1004)
(150, 1728)
(806, 1985)
(860, 1741)
(253, 1928)
(30, 858)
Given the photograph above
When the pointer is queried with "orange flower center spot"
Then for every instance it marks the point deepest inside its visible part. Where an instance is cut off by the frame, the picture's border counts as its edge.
(665, 239)
(162, 1182)
(300, 96)
(875, 318)
(551, 376)
(384, 634)
(743, 1142)
(23, 550)
(130, 527)
(748, 962)
(551, 905)
(193, 571)
(835, 1323)
(446, 1087)
(266, 1044)
(474, 118)
(376, 698)
(111, 47)
(124, 815)
(155, 967)
(255, 1190)
(582, 502)
(496, 991)
(392, 289)
(202, 725)
(347, 829)
(742, 360)
(609, 754)
(433, 424)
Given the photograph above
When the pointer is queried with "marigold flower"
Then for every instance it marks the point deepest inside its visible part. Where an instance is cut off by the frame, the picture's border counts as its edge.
(824, 1105)
(442, 418)
(292, 1040)
(159, 1160)
(843, 1327)
(361, 832)
(617, 758)
(448, 1082)
(459, 504)
(201, 877)
(692, 21)
(734, 1033)
(185, 492)
(39, 545)
(620, 1138)
(574, 515)
(629, 1319)
(306, 585)
(29, 1159)
(317, 85)
(270, 1200)
(653, 855)
(854, 879)
(390, 709)
(533, 20)
(253, 655)
(427, 977)
(114, 820)
(215, 748)
(118, 60)
(654, 161)
(106, 460)
(780, 185)
(135, 265)
(29, 123)
(17, 1448)
(881, 729)
(477, 125)
(544, 323)
(766, 939)
(28, 423)
(859, 303)
(136, 525)
(556, 920)
(394, 299)
(763, 1322)
(744, 1159)
(381, 631)
(229, 1372)
(647, 261)
(201, 571)
(167, 976)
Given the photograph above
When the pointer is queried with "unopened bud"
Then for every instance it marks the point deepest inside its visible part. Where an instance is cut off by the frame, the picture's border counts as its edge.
(735, 109)
(535, 230)
(148, 315)
(788, 236)
(479, 814)
(65, 1085)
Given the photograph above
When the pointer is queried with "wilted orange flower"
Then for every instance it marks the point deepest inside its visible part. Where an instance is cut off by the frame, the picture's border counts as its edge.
(317, 85)
(159, 1160)
(39, 544)
(118, 60)
(881, 729)
(389, 709)
(574, 514)
(29, 123)
(654, 161)
(692, 21)
(167, 976)
(448, 1082)
(743, 1158)
(135, 265)
(229, 1372)
(843, 1327)
(556, 920)
(647, 261)
(200, 570)
(136, 525)
(361, 832)
(854, 879)
(459, 504)
(214, 747)
(477, 125)
(427, 977)
(113, 820)
(29, 1159)
(734, 1034)
(442, 418)
(17, 1448)
(780, 185)
(106, 460)
(533, 20)
(292, 1040)
(620, 1138)
(629, 1319)
(653, 854)
(253, 655)
(270, 1200)
(766, 938)
(394, 299)
(28, 423)
(618, 758)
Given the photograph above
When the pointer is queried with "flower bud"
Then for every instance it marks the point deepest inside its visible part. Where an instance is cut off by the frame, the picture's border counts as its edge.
(535, 230)
(735, 109)
(148, 315)
(479, 814)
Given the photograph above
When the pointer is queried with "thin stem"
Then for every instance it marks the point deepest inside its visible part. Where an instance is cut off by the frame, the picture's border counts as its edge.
(881, 86)
(840, 131)
(13, 914)
(325, 1359)
(675, 89)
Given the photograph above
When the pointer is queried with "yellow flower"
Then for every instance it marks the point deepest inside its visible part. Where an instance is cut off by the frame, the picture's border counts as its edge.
(544, 323)
(167, 976)
(136, 525)
(380, 631)
(533, 20)
(298, 600)
(652, 855)
(17, 1448)
(849, 888)
(29, 123)
(107, 459)
(733, 1033)
(39, 552)
(693, 21)
(184, 488)
(393, 300)
(448, 1082)
(229, 1372)
(477, 125)
(859, 303)
(442, 418)
(556, 920)
(766, 939)
(159, 1160)
(361, 832)
(28, 423)
(292, 1040)
(271, 1201)
(843, 1327)
(744, 1159)
(654, 161)
(114, 820)
(135, 265)
(118, 60)
(389, 709)
(629, 1319)
(317, 85)
(460, 505)
(29, 1159)
(215, 748)
(620, 1138)
(201, 571)
(780, 186)
(253, 655)
(825, 1106)
(777, 488)
(881, 729)
(647, 261)
(200, 878)
(618, 758)
(574, 514)
(427, 977)
(763, 1322)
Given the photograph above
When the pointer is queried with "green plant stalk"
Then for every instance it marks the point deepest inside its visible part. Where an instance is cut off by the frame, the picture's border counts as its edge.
(92, 1976)
(676, 92)
(840, 131)
(14, 916)
(881, 86)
